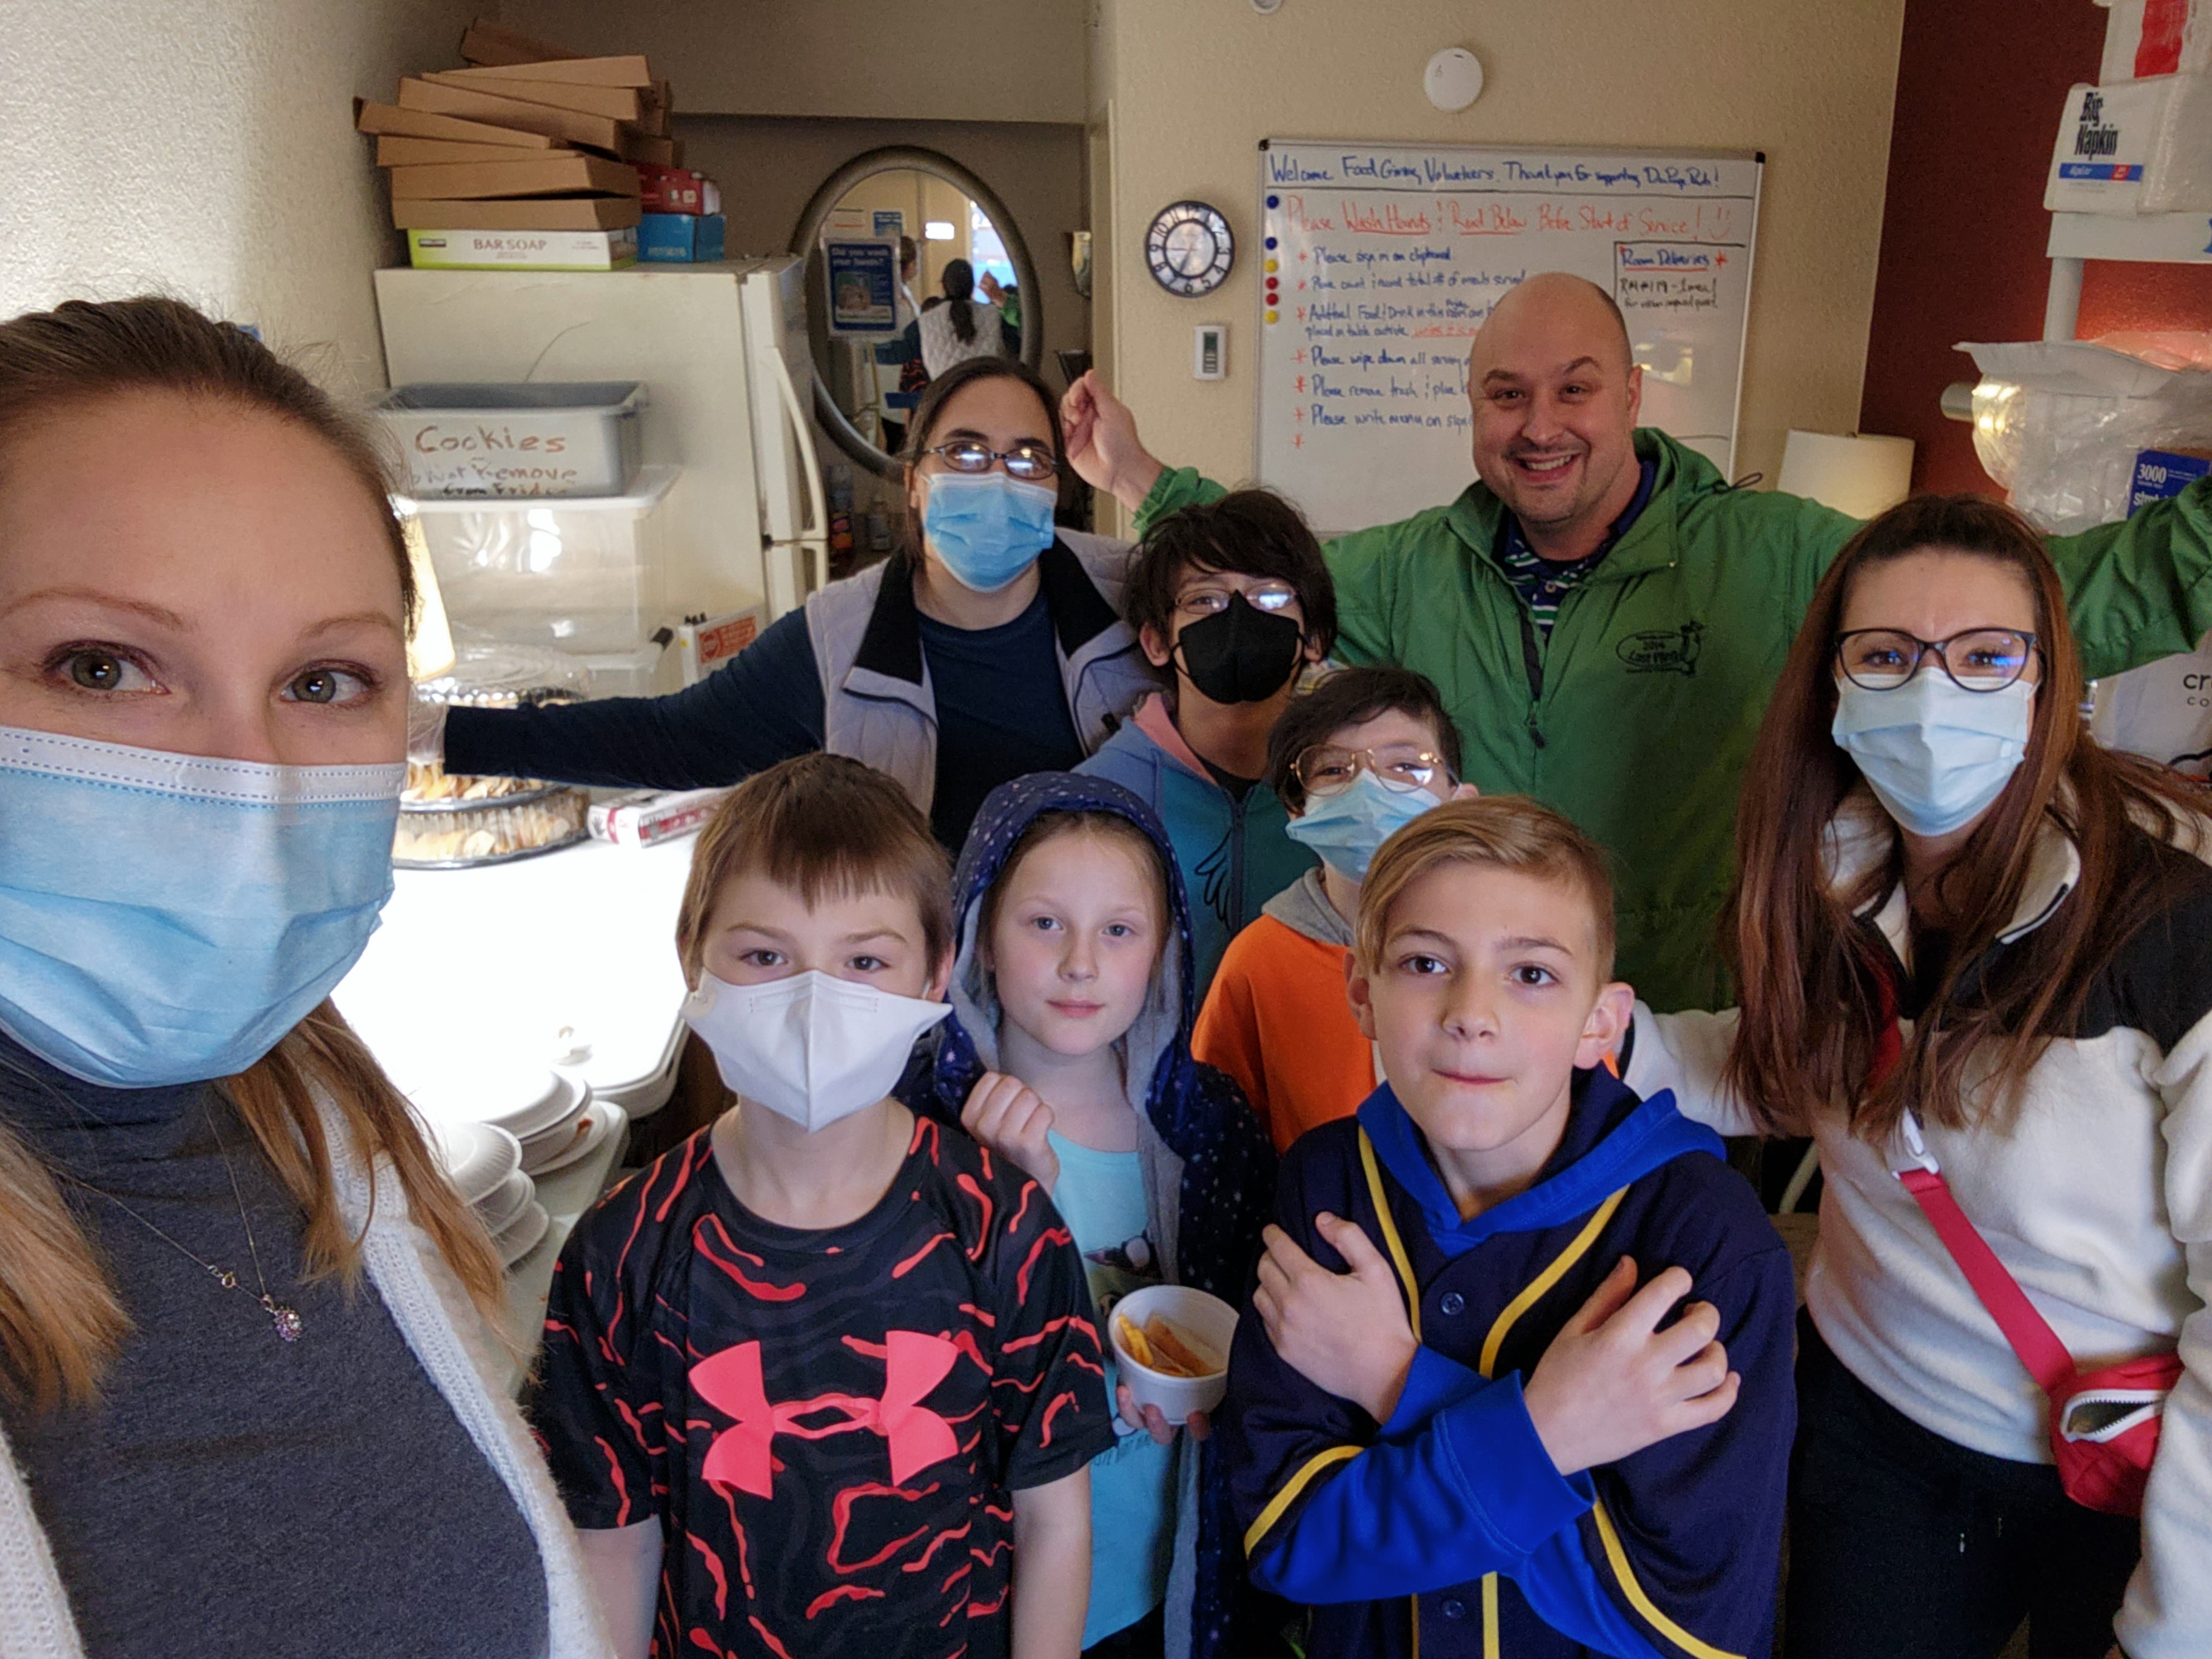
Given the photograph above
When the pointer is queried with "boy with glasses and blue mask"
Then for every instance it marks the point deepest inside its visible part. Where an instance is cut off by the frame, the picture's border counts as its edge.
(1231, 604)
(1363, 753)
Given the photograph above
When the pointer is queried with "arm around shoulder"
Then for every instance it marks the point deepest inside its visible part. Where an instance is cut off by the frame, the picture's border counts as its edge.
(1687, 1053)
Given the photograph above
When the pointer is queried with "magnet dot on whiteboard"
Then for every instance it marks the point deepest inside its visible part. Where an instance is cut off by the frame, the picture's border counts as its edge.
(1275, 316)
(1271, 264)
(1453, 79)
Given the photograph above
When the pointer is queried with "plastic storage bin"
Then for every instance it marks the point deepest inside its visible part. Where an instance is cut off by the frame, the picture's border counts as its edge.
(591, 577)
(562, 438)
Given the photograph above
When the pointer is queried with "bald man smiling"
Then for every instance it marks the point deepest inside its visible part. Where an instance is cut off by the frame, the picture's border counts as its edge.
(1605, 615)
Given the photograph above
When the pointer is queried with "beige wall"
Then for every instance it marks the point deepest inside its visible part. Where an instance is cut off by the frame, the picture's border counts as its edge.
(768, 169)
(924, 60)
(205, 148)
(1193, 88)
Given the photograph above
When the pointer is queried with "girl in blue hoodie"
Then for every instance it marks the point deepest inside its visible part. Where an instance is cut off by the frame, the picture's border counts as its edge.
(1069, 1053)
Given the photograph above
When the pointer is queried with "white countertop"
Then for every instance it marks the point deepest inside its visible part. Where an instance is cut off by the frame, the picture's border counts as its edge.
(486, 962)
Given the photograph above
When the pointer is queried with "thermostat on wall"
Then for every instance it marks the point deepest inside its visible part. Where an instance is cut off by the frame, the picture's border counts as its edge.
(1209, 357)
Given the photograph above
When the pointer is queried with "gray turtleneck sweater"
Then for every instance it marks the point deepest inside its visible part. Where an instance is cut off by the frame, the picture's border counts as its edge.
(231, 1492)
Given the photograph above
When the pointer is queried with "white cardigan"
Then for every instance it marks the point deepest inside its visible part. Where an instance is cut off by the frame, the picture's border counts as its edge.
(2098, 1199)
(443, 1329)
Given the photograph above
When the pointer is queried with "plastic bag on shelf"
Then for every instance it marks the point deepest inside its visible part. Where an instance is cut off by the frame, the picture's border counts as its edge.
(2060, 423)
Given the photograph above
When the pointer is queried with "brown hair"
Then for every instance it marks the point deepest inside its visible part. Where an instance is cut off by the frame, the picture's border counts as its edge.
(1810, 973)
(826, 826)
(922, 431)
(61, 1319)
(1247, 533)
(1353, 696)
(1504, 832)
(1090, 821)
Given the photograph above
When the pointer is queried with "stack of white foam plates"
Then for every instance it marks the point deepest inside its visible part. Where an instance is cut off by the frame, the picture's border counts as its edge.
(479, 1159)
(555, 1144)
(504, 1206)
(523, 1100)
(485, 1163)
(598, 1120)
(521, 1236)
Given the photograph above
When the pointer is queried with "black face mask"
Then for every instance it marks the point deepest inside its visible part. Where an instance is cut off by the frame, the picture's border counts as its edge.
(1242, 653)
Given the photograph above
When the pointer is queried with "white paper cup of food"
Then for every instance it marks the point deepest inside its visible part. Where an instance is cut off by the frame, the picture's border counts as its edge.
(1205, 1320)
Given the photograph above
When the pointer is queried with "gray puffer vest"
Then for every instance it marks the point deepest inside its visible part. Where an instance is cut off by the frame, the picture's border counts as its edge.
(878, 705)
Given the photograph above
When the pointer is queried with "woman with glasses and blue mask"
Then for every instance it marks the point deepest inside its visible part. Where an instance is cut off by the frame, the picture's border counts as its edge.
(247, 1401)
(1972, 949)
(989, 646)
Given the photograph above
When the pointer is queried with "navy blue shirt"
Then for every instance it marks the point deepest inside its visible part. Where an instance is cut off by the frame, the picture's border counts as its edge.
(1001, 713)
(1394, 1526)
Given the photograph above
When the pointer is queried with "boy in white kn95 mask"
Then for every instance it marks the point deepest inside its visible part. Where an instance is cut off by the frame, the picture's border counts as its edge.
(875, 1337)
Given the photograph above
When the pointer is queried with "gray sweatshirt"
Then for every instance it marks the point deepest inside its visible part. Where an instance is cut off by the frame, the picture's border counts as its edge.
(231, 1492)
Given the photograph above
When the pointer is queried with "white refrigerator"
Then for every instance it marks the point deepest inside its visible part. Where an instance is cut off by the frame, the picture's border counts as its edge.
(722, 349)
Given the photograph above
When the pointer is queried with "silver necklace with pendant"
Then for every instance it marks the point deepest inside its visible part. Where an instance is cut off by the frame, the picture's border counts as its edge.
(285, 1318)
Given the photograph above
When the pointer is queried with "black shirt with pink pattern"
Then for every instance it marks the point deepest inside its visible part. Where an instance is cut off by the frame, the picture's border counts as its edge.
(829, 1426)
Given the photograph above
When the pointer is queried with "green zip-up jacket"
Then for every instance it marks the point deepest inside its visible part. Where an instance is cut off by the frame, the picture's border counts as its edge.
(1636, 716)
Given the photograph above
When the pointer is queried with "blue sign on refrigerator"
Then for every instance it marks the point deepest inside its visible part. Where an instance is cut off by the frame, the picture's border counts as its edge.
(863, 289)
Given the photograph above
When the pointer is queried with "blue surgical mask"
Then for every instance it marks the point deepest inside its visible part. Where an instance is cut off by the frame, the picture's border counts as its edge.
(167, 919)
(1934, 754)
(986, 527)
(1347, 828)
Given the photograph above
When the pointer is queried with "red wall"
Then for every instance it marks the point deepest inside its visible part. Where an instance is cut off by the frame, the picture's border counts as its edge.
(1979, 87)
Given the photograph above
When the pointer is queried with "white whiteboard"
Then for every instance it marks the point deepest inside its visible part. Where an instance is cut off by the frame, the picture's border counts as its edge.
(1385, 260)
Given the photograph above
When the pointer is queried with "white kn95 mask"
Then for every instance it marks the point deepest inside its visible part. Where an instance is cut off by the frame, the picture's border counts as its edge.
(811, 1047)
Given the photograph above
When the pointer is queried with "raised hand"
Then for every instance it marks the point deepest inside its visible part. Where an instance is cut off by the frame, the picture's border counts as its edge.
(1346, 1333)
(1100, 438)
(1008, 1116)
(1612, 1382)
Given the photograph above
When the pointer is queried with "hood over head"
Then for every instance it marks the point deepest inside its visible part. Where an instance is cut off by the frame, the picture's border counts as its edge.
(1160, 1036)
(1209, 1167)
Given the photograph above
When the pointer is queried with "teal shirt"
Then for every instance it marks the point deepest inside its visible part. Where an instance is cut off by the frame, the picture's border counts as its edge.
(1101, 1196)
(1235, 855)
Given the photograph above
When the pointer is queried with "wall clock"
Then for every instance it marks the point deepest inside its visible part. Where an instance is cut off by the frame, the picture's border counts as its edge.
(1189, 248)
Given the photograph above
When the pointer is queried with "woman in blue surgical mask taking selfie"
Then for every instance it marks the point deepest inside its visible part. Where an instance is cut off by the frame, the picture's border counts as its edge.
(245, 1324)
(1971, 947)
(988, 646)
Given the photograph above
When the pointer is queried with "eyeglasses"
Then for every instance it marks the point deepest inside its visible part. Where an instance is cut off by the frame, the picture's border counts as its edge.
(1032, 462)
(1979, 659)
(1327, 769)
(1268, 596)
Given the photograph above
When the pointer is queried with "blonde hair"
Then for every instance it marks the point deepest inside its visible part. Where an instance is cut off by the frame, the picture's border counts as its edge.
(826, 826)
(61, 1320)
(1099, 825)
(1503, 832)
